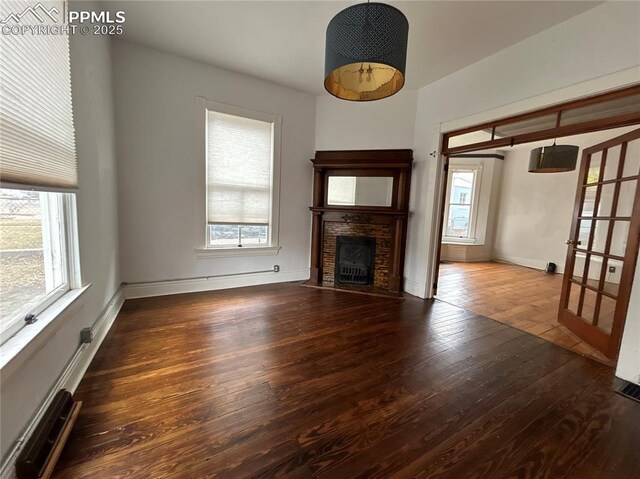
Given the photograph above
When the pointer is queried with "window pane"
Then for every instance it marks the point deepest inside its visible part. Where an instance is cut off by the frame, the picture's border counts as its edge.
(574, 298)
(589, 200)
(254, 235)
(595, 162)
(461, 187)
(458, 221)
(528, 125)
(584, 231)
(607, 312)
(224, 235)
(470, 138)
(236, 235)
(596, 111)
(32, 261)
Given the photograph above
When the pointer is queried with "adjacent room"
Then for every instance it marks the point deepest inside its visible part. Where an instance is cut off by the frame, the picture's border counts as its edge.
(319, 239)
(507, 227)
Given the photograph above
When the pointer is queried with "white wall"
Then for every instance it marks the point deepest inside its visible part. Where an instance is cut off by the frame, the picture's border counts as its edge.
(534, 215)
(158, 171)
(376, 125)
(629, 360)
(572, 59)
(23, 392)
(533, 220)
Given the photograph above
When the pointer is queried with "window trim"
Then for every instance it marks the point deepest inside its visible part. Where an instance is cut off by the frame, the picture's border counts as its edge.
(17, 349)
(202, 248)
(471, 237)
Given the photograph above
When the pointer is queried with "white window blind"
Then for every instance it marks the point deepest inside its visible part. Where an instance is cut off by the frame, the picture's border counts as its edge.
(239, 170)
(37, 136)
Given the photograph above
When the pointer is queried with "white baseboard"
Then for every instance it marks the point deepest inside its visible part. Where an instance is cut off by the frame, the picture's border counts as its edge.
(179, 286)
(627, 367)
(529, 263)
(70, 377)
(413, 288)
(81, 361)
(465, 260)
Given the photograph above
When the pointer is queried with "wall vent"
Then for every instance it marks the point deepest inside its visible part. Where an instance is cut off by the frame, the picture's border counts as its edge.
(630, 390)
(42, 450)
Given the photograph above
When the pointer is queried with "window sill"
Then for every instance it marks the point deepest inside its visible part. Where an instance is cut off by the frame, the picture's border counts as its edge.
(236, 252)
(22, 345)
(461, 241)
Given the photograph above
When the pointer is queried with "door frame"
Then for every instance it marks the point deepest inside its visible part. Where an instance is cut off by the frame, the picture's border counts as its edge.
(603, 124)
(557, 112)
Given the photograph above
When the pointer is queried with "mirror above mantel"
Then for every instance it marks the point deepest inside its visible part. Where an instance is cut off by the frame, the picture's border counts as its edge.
(360, 191)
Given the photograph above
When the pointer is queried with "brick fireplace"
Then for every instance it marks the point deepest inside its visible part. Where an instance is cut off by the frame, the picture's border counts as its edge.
(381, 236)
(374, 235)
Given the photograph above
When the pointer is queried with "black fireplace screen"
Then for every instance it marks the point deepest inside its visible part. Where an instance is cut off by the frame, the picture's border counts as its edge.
(355, 260)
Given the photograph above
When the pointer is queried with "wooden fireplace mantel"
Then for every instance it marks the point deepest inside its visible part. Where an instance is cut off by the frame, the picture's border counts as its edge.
(393, 219)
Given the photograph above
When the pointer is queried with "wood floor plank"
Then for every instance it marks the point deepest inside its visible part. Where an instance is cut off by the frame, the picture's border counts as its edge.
(525, 298)
(286, 381)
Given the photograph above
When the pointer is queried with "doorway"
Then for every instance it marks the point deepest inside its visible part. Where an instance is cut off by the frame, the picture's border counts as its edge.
(500, 271)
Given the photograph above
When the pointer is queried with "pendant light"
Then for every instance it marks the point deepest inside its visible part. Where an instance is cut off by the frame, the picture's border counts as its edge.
(553, 159)
(366, 52)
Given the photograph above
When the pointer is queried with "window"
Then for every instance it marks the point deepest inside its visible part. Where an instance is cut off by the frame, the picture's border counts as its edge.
(33, 254)
(460, 210)
(242, 158)
(38, 260)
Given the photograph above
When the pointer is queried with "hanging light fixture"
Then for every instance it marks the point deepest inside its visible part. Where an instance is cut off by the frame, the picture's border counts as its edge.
(366, 52)
(553, 159)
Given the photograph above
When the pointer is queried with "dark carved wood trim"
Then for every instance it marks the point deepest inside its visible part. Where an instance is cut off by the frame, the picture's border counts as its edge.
(396, 163)
(556, 132)
(478, 155)
(357, 218)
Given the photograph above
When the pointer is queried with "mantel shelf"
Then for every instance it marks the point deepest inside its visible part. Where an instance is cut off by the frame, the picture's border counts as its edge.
(369, 159)
(354, 210)
(352, 165)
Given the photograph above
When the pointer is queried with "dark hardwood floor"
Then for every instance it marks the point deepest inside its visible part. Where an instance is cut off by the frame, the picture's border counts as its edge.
(286, 381)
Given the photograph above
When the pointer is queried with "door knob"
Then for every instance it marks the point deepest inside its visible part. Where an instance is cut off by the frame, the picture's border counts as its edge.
(578, 243)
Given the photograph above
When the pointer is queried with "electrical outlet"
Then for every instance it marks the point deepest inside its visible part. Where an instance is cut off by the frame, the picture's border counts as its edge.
(86, 335)
(276, 268)
(612, 269)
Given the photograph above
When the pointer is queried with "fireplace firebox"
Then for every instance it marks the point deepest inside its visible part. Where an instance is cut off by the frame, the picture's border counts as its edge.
(355, 260)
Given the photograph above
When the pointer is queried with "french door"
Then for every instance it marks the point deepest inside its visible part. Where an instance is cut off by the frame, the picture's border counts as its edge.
(603, 245)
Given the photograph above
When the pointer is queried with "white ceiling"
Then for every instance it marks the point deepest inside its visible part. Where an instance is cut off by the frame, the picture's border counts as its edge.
(283, 41)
